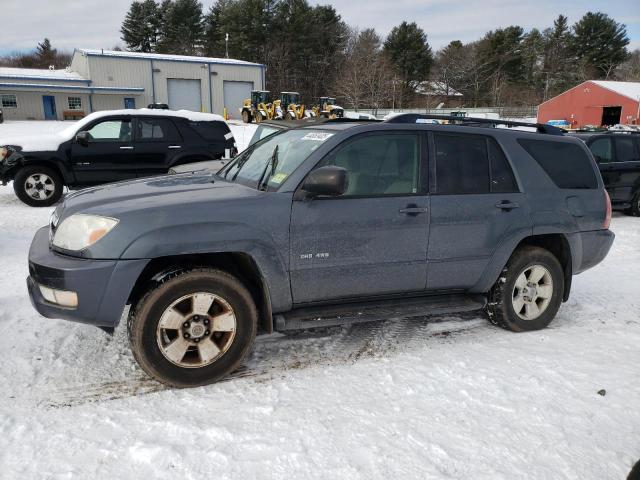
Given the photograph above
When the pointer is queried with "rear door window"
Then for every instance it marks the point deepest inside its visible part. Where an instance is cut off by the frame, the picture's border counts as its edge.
(625, 149)
(602, 150)
(462, 164)
(156, 130)
(567, 164)
(212, 131)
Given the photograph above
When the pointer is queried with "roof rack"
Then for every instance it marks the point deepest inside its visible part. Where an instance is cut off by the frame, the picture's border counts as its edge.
(351, 120)
(475, 122)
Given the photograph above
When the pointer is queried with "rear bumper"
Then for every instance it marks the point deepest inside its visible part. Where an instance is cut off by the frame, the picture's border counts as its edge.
(102, 286)
(593, 247)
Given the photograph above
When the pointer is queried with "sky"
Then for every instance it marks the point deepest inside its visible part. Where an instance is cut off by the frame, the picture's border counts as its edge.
(73, 24)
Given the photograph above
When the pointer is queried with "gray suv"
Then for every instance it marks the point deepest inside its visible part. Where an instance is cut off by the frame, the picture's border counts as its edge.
(331, 223)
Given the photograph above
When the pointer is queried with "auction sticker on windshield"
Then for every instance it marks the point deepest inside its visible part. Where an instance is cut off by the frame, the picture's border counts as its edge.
(317, 136)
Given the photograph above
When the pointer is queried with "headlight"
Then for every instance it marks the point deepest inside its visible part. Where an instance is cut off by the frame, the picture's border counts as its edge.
(4, 153)
(81, 231)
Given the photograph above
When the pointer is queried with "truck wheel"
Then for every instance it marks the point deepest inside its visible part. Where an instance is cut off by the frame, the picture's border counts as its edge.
(194, 328)
(529, 292)
(38, 186)
(246, 118)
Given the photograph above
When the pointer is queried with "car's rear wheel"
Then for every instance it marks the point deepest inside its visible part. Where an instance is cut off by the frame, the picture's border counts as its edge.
(194, 328)
(529, 292)
(38, 186)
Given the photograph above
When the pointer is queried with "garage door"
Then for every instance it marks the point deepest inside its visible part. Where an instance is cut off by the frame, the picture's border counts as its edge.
(234, 94)
(184, 94)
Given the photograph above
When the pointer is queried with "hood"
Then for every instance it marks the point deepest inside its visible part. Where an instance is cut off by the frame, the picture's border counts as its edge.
(152, 194)
(35, 143)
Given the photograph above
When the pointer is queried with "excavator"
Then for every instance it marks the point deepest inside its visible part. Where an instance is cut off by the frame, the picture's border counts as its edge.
(328, 108)
(256, 108)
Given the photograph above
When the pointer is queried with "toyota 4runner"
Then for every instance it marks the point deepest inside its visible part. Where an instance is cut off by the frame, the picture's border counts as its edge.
(335, 223)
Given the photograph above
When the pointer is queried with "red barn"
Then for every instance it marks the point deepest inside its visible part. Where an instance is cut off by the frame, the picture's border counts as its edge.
(594, 102)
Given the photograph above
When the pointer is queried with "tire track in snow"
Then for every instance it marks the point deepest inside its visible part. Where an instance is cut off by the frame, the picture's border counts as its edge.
(276, 354)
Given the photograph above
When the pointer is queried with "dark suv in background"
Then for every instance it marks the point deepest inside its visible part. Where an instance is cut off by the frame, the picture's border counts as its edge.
(336, 222)
(108, 146)
(618, 158)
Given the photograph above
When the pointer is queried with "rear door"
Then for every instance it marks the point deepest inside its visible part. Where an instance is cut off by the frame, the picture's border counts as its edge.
(108, 155)
(476, 203)
(373, 239)
(156, 142)
(627, 164)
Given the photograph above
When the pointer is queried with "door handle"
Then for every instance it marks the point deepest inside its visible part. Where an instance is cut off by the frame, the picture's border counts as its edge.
(413, 210)
(175, 146)
(126, 148)
(507, 205)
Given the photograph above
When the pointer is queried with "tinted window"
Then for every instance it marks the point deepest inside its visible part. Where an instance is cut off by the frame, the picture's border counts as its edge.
(625, 151)
(602, 150)
(462, 164)
(502, 180)
(212, 131)
(566, 163)
(156, 130)
(380, 164)
(111, 131)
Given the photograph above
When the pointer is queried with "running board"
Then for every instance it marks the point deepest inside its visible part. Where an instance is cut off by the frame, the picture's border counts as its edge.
(348, 313)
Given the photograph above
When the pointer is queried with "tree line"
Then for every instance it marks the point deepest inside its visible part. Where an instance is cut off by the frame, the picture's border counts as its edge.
(310, 49)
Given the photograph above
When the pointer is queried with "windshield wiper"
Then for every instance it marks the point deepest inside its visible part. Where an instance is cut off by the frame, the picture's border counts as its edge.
(241, 160)
(273, 163)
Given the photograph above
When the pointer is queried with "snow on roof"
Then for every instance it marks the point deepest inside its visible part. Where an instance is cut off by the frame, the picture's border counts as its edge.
(162, 56)
(41, 73)
(628, 89)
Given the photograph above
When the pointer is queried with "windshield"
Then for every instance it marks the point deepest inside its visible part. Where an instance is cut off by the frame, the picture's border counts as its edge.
(263, 131)
(264, 166)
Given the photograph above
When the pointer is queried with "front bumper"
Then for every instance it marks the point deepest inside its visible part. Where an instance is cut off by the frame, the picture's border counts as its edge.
(102, 286)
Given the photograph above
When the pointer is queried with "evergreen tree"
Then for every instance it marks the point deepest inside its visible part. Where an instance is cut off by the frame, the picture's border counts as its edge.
(140, 27)
(599, 44)
(410, 55)
(557, 72)
(182, 27)
(46, 54)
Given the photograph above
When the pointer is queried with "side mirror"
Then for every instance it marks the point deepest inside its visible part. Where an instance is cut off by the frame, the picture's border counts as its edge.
(82, 138)
(330, 181)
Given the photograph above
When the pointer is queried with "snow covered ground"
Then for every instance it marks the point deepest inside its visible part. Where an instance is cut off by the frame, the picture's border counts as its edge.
(443, 397)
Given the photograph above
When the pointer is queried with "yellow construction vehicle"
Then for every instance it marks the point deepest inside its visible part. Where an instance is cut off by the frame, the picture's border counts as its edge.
(328, 108)
(256, 108)
(290, 108)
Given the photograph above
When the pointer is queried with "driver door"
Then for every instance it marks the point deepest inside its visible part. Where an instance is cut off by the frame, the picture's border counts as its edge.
(372, 240)
(108, 155)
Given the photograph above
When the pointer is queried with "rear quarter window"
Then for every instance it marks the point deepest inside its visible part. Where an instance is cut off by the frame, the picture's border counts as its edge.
(567, 164)
(212, 131)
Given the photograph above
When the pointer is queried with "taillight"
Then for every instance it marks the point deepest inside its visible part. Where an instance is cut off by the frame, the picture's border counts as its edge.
(607, 216)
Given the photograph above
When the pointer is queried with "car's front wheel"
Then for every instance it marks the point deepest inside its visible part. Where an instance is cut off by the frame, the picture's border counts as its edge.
(194, 328)
(38, 186)
(529, 292)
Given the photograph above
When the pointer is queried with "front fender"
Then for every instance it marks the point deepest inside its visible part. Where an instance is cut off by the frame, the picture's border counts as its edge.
(221, 237)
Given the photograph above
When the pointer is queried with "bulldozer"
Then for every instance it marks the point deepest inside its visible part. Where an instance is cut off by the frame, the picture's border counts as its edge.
(328, 108)
(256, 108)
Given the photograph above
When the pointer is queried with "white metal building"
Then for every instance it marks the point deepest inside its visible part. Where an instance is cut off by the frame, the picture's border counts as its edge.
(108, 80)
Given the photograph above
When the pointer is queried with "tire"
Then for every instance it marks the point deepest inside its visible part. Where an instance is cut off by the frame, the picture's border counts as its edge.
(511, 300)
(38, 180)
(246, 117)
(158, 350)
(635, 206)
(258, 117)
